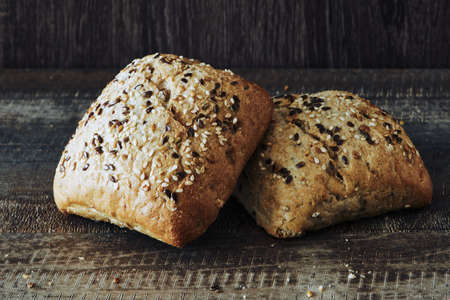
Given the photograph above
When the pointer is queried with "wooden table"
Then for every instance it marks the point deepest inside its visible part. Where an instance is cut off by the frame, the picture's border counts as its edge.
(399, 255)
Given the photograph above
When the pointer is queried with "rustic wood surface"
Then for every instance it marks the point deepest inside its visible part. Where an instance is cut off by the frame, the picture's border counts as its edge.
(399, 255)
(264, 33)
(83, 266)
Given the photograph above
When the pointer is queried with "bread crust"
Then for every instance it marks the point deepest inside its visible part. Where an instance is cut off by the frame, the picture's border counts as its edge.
(161, 148)
(327, 158)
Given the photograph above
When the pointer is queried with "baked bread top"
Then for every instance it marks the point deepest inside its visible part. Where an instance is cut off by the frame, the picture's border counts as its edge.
(330, 157)
(161, 148)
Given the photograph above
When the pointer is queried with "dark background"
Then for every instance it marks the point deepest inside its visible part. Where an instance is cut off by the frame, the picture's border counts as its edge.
(226, 33)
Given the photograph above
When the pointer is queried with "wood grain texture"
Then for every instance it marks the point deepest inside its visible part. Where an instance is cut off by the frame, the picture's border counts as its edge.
(395, 256)
(226, 33)
(68, 266)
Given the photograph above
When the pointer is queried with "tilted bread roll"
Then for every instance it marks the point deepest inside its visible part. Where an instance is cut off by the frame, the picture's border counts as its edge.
(330, 157)
(161, 148)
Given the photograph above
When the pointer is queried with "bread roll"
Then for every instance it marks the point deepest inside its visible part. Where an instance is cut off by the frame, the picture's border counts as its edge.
(162, 147)
(330, 157)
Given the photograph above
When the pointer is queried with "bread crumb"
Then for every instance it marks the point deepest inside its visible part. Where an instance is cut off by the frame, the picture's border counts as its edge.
(402, 122)
(26, 276)
(316, 214)
(309, 294)
(286, 87)
(321, 288)
(116, 280)
(30, 285)
(351, 276)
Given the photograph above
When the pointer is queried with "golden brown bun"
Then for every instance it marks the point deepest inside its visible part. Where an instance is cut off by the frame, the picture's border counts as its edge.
(330, 157)
(161, 148)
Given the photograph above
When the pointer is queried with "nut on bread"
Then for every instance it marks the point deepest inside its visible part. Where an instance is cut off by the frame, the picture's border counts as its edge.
(162, 147)
(327, 158)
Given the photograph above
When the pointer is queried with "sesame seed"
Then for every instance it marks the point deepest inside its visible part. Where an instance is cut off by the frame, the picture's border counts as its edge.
(320, 127)
(172, 168)
(99, 149)
(181, 174)
(174, 197)
(300, 164)
(234, 128)
(109, 167)
(190, 132)
(288, 179)
(316, 160)
(345, 159)
(148, 94)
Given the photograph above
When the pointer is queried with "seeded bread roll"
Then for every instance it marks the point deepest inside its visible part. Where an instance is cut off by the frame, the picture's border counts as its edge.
(327, 158)
(162, 147)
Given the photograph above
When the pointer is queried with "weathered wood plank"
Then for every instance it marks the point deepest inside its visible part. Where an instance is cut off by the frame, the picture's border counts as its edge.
(395, 265)
(267, 33)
